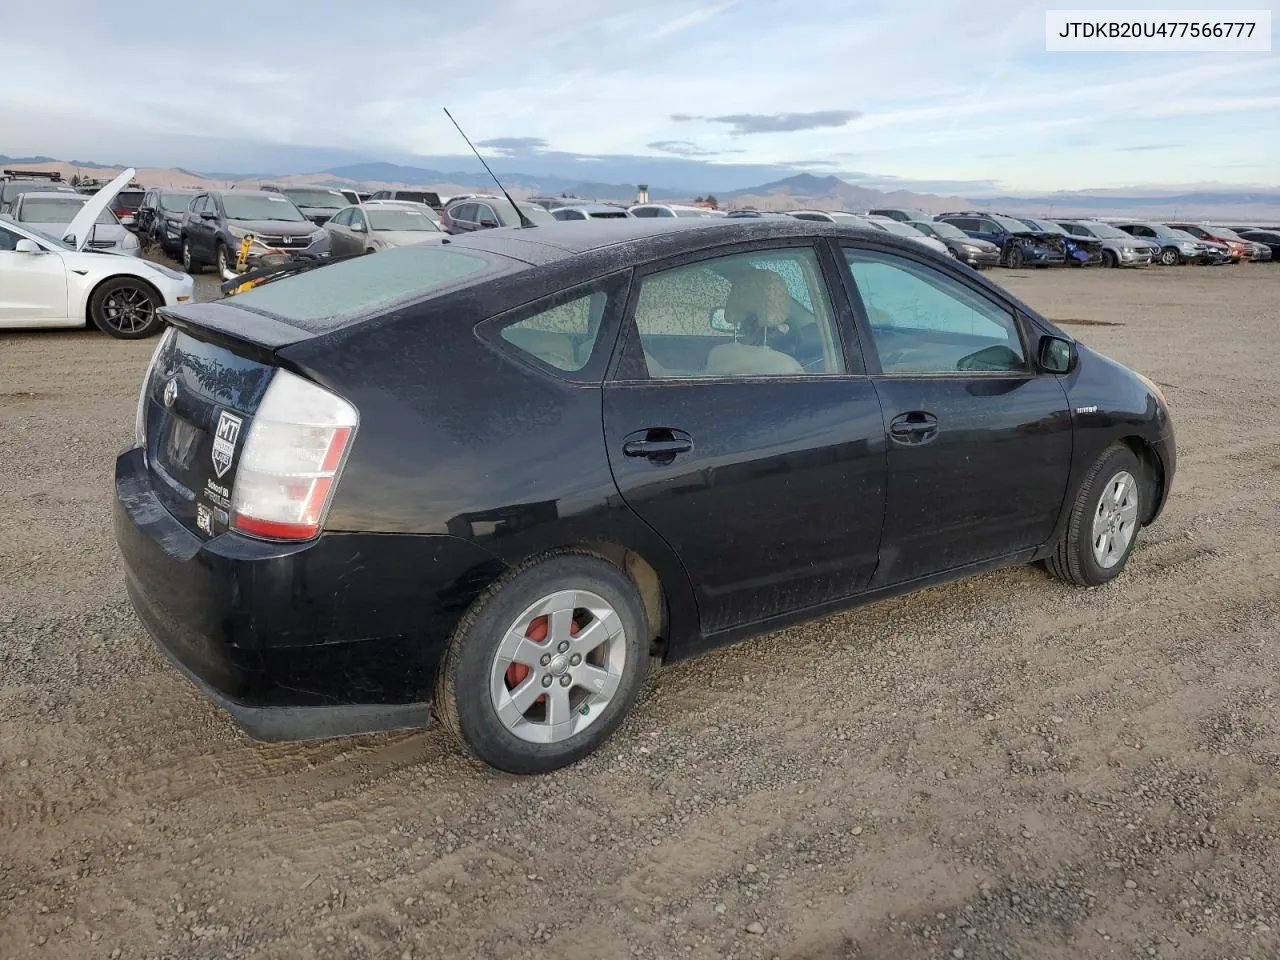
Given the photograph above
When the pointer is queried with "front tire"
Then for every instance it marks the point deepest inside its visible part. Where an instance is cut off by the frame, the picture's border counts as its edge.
(1104, 522)
(1170, 257)
(220, 260)
(126, 308)
(1015, 257)
(545, 664)
(1109, 259)
(189, 262)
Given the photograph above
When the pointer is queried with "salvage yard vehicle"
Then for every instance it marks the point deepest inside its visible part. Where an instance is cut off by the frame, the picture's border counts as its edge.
(978, 254)
(160, 218)
(317, 204)
(901, 229)
(1119, 249)
(381, 225)
(661, 210)
(590, 211)
(51, 213)
(217, 220)
(492, 477)
(1176, 246)
(1080, 251)
(1019, 244)
(48, 282)
(1267, 238)
(14, 183)
(485, 212)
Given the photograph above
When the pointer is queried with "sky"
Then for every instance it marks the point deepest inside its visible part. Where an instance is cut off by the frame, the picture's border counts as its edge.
(941, 96)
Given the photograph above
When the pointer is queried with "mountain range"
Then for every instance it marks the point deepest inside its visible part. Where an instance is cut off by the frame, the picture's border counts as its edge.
(1197, 201)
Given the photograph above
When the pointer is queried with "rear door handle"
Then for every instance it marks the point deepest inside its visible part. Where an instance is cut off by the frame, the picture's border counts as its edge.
(915, 427)
(660, 444)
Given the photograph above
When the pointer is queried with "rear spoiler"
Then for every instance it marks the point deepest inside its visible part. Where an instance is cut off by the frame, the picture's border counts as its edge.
(254, 335)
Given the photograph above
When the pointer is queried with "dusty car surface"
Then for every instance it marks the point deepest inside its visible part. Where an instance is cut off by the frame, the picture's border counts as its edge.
(490, 478)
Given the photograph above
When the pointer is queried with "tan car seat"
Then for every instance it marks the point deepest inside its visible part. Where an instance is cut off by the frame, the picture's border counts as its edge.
(761, 294)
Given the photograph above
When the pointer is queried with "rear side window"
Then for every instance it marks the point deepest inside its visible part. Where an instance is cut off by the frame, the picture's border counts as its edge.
(324, 298)
(562, 336)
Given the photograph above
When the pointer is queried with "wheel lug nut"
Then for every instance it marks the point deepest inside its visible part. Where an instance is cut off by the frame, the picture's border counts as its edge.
(575, 660)
(545, 659)
(546, 680)
(566, 680)
(564, 645)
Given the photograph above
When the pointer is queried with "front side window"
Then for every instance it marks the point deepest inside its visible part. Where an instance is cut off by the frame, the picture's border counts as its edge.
(342, 218)
(925, 322)
(463, 212)
(357, 220)
(764, 313)
(484, 213)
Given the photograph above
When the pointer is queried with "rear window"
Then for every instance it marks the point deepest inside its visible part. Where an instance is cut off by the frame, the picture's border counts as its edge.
(324, 298)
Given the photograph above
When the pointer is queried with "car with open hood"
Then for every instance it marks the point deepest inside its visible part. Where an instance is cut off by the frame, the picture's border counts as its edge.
(492, 479)
(59, 280)
(51, 213)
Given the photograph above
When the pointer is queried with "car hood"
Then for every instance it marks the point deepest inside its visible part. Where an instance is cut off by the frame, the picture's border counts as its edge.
(405, 238)
(986, 246)
(276, 228)
(81, 226)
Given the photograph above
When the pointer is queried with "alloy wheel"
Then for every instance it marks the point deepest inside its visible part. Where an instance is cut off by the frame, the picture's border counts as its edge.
(1115, 521)
(129, 309)
(558, 666)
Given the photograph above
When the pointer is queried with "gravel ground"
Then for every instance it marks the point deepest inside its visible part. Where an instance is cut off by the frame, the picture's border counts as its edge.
(1002, 767)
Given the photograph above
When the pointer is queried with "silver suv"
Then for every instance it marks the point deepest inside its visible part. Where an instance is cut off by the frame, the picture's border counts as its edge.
(1119, 249)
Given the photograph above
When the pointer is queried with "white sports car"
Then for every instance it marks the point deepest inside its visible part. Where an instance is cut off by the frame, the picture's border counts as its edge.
(46, 282)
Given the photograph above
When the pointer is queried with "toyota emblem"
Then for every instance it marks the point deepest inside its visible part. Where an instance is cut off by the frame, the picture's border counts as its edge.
(171, 392)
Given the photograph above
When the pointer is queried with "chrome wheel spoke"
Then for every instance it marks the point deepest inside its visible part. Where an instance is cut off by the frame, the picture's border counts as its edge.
(559, 711)
(1115, 522)
(599, 682)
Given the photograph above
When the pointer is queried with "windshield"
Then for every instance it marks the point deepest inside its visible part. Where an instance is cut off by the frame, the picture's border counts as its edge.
(1106, 231)
(42, 235)
(896, 227)
(317, 198)
(401, 220)
(1182, 235)
(1045, 226)
(1012, 225)
(948, 230)
(57, 210)
(175, 202)
(13, 188)
(1226, 234)
(260, 206)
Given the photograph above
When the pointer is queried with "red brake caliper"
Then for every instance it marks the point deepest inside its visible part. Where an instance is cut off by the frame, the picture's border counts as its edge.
(537, 632)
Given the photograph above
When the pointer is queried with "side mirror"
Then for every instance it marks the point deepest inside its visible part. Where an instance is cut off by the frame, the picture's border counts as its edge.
(27, 246)
(208, 215)
(357, 228)
(1057, 355)
(488, 223)
(718, 321)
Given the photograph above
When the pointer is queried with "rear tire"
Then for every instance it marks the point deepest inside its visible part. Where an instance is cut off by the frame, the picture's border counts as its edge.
(126, 308)
(1104, 523)
(505, 690)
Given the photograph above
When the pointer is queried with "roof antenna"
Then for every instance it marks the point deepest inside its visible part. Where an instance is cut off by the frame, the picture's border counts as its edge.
(524, 221)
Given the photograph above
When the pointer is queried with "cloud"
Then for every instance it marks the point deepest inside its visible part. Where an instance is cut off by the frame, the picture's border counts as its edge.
(1150, 146)
(514, 144)
(742, 124)
(806, 164)
(686, 148)
(690, 19)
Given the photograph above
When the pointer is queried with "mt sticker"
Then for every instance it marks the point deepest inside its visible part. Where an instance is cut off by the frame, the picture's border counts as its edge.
(224, 442)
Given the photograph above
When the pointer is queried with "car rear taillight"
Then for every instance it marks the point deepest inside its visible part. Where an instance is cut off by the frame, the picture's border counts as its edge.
(289, 467)
(140, 420)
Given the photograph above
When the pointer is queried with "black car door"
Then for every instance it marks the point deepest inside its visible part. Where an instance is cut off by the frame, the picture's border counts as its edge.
(202, 229)
(739, 428)
(980, 443)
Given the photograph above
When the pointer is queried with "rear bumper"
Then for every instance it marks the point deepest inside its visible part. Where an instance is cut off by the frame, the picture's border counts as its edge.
(337, 636)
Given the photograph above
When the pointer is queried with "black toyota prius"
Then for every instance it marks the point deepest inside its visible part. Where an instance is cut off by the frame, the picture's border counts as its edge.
(489, 479)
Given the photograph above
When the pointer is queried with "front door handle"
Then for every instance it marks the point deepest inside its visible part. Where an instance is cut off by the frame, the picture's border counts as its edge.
(915, 427)
(659, 444)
